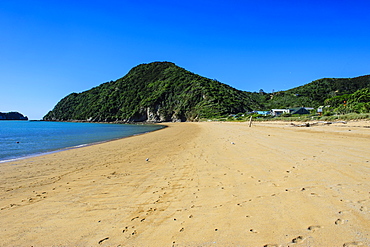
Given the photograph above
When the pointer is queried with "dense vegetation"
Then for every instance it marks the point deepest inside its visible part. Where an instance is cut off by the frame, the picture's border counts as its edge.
(344, 107)
(315, 93)
(159, 91)
(162, 91)
(358, 102)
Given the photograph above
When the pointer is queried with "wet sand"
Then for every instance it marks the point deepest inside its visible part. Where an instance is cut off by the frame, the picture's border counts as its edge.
(196, 184)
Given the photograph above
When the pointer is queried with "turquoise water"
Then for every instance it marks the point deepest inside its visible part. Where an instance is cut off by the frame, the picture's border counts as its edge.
(26, 138)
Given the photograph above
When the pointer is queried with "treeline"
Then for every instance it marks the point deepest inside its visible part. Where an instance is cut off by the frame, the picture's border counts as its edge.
(358, 102)
(316, 93)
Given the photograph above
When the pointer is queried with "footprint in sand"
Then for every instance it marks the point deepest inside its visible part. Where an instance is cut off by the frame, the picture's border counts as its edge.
(362, 201)
(314, 194)
(102, 240)
(339, 222)
(313, 228)
(343, 211)
(344, 200)
(352, 244)
(298, 240)
(135, 218)
(363, 208)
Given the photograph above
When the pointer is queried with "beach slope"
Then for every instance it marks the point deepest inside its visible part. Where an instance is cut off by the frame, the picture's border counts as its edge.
(196, 184)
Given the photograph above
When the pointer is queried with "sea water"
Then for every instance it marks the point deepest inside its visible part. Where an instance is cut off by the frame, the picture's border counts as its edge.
(27, 138)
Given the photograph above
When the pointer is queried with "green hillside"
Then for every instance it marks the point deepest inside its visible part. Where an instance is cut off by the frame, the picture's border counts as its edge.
(315, 93)
(159, 91)
(162, 91)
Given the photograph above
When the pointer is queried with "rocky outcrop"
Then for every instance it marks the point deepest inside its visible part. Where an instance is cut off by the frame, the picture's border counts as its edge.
(155, 115)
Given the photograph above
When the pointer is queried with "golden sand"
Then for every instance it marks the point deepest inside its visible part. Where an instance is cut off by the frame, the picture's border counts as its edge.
(204, 184)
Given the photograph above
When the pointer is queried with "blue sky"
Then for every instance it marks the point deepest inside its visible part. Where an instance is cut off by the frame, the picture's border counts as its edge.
(51, 48)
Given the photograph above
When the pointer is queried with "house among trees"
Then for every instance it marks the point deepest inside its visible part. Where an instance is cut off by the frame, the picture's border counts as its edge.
(299, 110)
(263, 113)
(278, 112)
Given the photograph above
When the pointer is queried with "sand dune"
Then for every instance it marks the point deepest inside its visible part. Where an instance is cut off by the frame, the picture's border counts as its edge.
(196, 184)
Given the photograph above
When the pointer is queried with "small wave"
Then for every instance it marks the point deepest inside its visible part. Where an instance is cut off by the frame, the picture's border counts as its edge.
(10, 160)
(80, 146)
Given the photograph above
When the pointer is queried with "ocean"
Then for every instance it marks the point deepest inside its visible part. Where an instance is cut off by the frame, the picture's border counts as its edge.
(20, 139)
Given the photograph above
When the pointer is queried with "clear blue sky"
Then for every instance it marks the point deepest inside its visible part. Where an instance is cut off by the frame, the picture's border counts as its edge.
(51, 48)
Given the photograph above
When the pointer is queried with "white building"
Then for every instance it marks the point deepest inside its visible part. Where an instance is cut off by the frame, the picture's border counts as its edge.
(278, 112)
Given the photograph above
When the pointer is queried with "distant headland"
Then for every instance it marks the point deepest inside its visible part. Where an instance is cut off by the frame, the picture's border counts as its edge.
(12, 116)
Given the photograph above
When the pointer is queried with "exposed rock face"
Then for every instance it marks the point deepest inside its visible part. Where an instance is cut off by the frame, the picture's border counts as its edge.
(12, 116)
(154, 115)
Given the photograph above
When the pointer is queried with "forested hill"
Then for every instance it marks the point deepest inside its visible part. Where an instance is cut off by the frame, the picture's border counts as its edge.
(162, 91)
(315, 94)
(159, 91)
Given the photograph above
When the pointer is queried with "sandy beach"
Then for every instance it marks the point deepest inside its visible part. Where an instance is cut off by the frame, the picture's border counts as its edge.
(196, 184)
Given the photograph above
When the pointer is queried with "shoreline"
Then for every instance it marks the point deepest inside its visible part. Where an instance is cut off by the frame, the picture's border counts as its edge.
(364, 124)
(11, 159)
(113, 122)
(191, 184)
